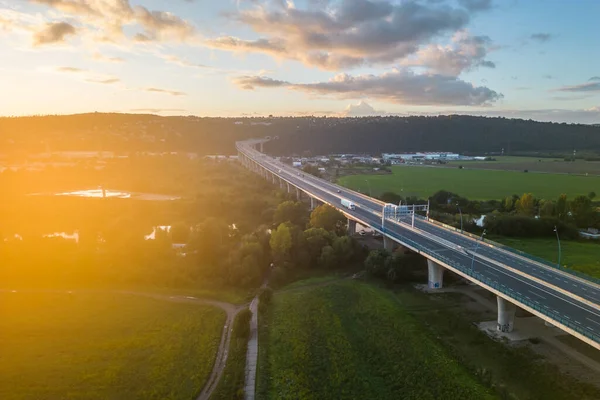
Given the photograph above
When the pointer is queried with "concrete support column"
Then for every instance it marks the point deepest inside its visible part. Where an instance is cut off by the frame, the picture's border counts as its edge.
(388, 244)
(312, 203)
(274, 179)
(506, 315)
(261, 147)
(351, 227)
(298, 194)
(435, 276)
(288, 187)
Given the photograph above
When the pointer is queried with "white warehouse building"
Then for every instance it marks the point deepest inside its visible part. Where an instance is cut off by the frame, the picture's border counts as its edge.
(421, 156)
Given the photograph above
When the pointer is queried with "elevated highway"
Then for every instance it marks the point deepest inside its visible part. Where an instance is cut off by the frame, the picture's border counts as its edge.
(559, 297)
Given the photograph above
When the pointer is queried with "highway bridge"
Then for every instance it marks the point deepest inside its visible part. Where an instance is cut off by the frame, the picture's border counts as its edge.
(561, 298)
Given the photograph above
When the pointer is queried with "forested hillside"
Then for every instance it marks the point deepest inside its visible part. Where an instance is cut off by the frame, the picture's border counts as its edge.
(135, 132)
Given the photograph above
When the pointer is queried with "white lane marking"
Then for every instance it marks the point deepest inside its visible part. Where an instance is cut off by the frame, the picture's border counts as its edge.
(591, 320)
(538, 295)
(517, 277)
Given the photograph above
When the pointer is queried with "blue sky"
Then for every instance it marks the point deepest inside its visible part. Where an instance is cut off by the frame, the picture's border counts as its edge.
(515, 58)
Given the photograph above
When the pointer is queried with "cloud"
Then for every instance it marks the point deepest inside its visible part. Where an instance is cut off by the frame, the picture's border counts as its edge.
(593, 86)
(107, 81)
(361, 109)
(548, 77)
(594, 78)
(466, 53)
(88, 76)
(344, 34)
(541, 37)
(108, 18)
(53, 33)
(400, 87)
(70, 69)
(171, 92)
(476, 5)
(182, 62)
(162, 25)
(101, 57)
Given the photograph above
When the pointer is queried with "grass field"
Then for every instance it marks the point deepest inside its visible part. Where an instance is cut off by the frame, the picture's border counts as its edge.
(583, 256)
(92, 346)
(231, 384)
(518, 372)
(351, 340)
(550, 165)
(473, 184)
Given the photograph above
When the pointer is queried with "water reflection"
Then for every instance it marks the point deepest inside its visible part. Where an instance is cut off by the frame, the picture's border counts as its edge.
(152, 236)
(74, 236)
(96, 193)
(105, 193)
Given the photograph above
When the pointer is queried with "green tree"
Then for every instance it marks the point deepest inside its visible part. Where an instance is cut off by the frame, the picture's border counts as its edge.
(562, 207)
(281, 243)
(312, 169)
(509, 204)
(377, 261)
(592, 195)
(581, 207)
(316, 240)
(525, 205)
(328, 218)
(547, 208)
(291, 211)
(344, 249)
(328, 258)
(180, 233)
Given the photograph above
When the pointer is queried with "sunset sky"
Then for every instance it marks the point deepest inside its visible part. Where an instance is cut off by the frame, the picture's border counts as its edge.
(516, 58)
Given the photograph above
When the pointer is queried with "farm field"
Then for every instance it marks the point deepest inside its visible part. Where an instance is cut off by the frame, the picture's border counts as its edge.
(351, 340)
(474, 184)
(548, 165)
(582, 256)
(104, 346)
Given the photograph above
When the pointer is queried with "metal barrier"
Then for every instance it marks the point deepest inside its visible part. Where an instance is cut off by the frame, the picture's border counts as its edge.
(499, 287)
(519, 252)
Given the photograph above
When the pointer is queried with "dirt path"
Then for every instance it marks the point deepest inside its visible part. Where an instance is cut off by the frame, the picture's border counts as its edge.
(231, 311)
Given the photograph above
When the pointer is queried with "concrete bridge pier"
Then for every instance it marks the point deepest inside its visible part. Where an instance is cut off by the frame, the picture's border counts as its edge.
(274, 178)
(313, 204)
(262, 147)
(388, 244)
(288, 187)
(506, 315)
(351, 227)
(298, 194)
(435, 276)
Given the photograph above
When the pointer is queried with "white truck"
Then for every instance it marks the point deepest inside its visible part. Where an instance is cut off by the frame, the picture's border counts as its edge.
(348, 204)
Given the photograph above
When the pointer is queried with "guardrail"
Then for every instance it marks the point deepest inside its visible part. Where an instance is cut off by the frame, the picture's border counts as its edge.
(518, 252)
(495, 285)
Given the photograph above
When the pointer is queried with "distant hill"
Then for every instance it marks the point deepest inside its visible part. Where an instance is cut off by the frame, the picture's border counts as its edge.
(456, 133)
(302, 135)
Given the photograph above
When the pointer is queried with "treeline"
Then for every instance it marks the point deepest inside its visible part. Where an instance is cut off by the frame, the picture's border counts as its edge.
(231, 229)
(521, 216)
(456, 133)
(125, 133)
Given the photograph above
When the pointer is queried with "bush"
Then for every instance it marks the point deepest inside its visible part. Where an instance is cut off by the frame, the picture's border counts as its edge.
(241, 325)
(265, 296)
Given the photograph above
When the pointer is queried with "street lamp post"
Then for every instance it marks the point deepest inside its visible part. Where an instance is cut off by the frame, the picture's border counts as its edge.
(476, 247)
(558, 240)
(461, 219)
(369, 183)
